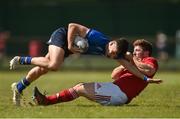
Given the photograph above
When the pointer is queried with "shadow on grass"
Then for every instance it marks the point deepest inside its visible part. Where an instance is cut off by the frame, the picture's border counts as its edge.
(85, 105)
(132, 105)
(154, 105)
(129, 105)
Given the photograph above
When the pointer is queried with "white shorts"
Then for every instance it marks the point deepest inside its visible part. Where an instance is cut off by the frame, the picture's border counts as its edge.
(109, 94)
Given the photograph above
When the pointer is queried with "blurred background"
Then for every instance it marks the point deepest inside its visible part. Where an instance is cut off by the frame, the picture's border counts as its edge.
(26, 25)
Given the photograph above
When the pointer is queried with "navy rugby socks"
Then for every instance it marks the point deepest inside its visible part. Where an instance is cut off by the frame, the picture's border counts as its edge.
(22, 84)
(25, 60)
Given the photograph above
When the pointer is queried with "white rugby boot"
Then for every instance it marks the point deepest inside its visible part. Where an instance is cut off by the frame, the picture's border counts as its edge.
(16, 95)
(13, 63)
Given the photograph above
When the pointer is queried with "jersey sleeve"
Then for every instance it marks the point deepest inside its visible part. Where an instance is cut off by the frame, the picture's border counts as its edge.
(151, 61)
(96, 37)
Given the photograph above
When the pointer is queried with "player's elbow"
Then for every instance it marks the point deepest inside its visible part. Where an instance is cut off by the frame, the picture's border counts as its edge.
(72, 25)
(117, 72)
(114, 76)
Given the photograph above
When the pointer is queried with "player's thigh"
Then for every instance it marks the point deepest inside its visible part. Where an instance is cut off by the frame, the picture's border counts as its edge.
(107, 93)
(56, 55)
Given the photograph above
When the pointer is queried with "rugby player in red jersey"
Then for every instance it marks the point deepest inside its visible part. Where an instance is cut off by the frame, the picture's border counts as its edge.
(121, 91)
(129, 83)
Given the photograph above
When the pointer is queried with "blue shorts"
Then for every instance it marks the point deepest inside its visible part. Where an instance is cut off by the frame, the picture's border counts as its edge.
(59, 39)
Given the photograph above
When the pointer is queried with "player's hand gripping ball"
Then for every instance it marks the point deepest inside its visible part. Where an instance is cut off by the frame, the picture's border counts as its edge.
(81, 44)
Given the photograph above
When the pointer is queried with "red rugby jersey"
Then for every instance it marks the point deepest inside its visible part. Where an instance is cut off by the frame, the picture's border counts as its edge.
(132, 85)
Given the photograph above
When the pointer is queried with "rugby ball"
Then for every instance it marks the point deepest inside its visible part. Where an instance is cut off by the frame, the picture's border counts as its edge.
(81, 44)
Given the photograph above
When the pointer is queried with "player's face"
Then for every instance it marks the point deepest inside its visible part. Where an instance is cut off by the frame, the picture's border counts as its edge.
(112, 49)
(138, 52)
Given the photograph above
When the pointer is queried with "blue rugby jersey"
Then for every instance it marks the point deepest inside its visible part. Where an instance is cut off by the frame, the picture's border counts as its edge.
(97, 42)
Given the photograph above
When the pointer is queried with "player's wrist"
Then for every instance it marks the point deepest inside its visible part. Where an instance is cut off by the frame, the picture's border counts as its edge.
(145, 78)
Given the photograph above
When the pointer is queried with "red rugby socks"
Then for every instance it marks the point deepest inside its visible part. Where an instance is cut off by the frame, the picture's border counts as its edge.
(63, 96)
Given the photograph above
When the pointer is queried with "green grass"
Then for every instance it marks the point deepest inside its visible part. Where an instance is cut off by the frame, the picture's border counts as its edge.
(156, 101)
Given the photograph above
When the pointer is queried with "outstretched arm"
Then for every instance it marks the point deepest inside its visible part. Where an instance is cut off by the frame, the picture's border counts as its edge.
(74, 30)
(137, 73)
(131, 68)
(145, 68)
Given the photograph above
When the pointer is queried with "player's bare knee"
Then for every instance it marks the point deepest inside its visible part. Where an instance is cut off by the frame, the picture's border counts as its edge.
(53, 67)
(79, 88)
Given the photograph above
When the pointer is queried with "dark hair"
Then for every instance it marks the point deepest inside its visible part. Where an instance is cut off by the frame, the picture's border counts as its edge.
(146, 45)
(122, 46)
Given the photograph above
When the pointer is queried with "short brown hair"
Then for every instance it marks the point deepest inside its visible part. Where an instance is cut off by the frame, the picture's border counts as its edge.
(122, 45)
(146, 45)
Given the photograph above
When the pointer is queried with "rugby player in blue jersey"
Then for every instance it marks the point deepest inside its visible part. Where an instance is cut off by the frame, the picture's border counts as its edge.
(61, 46)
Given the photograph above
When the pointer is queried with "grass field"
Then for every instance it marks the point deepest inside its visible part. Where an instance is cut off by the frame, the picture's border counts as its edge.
(156, 100)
